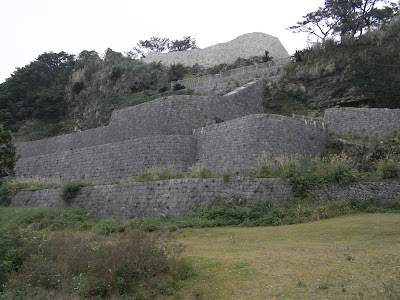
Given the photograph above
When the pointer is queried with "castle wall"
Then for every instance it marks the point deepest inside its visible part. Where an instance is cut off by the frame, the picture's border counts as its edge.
(220, 84)
(180, 196)
(108, 162)
(364, 190)
(173, 197)
(165, 116)
(244, 46)
(362, 121)
(182, 114)
(236, 145)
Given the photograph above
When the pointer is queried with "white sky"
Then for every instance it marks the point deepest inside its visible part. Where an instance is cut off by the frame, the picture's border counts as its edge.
(29, 28)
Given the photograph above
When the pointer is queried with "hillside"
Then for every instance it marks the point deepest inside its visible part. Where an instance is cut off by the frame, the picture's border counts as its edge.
(78, 94)
(363, 72)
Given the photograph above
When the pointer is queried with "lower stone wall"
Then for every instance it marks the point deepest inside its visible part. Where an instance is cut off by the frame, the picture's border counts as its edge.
(173, 197)
(179, 196)
(365, 190)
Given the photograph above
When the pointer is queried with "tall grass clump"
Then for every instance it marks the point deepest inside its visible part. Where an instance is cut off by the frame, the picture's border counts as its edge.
(32, 183)
(12, 186)
(305, 172)
(199, 171)
(160, 173)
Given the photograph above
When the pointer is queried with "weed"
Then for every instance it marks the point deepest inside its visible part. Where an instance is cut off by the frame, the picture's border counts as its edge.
(160, 173)
(198, 171)
(300, 283)
(323, 286)
(226, 176)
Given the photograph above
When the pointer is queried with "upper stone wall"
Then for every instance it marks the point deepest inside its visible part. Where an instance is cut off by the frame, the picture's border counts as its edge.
(219, 84)
(362, 121)
(236, 145)
(244, 46)
(172, 115)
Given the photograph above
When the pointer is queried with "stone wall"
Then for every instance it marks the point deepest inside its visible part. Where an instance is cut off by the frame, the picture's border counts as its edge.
(244, 46)
(171, 115)
(173, 197)
(109, 162)
(365, 190)
(224, 82)
(180, 196)
(232, 146)
(236, 145)
(362, 121)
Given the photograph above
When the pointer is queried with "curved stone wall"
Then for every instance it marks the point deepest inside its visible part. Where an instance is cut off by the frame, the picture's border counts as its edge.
(236, 145)
(108, 162)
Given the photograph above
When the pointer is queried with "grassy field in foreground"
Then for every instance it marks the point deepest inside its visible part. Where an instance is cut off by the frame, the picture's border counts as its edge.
(349, 257)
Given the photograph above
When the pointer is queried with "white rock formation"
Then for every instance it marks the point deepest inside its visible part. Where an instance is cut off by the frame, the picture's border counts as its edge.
(244, 46)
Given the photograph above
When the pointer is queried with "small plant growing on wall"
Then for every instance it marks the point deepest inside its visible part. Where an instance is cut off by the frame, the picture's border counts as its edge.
(70, 191)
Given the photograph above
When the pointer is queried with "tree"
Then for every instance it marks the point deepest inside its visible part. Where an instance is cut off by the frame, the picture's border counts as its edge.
(346, 18)
(317, 23)
(8, 154)
(36, 90)
(158, 44)
(187, 43)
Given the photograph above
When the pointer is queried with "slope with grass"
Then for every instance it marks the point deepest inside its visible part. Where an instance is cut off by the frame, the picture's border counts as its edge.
(349, 257)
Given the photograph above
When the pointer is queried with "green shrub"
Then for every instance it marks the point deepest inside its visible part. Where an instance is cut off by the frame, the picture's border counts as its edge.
(389, 170)
(263, 172)
(70, 191)
(340, 172)
(178, 87)
(77, 87)
(5, 194)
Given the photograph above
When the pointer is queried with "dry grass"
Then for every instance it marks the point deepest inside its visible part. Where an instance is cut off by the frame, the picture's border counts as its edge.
(351, 257)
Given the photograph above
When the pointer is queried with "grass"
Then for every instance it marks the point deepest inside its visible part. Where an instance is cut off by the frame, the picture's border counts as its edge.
(303, 261)
(311, 260)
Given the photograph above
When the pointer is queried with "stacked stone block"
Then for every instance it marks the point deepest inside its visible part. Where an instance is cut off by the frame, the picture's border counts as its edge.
(362, 122)
(236, 145)
(220, 84)
(173, 197)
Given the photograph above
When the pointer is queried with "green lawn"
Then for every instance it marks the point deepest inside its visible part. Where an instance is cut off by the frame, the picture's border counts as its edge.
(349, 257)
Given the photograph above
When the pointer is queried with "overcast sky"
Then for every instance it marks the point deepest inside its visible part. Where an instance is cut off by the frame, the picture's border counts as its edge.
(32, 27)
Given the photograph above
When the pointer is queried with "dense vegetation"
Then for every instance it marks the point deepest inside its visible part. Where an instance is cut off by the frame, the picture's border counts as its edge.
(8, 154)
(357, 72)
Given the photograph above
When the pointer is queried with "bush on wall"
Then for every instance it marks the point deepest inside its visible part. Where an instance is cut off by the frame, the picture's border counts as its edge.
(71, 191)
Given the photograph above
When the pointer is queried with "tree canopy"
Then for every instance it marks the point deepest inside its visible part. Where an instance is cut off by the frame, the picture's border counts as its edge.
(8, 155)
(36, 90)
(346, 18)
(158, 44)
